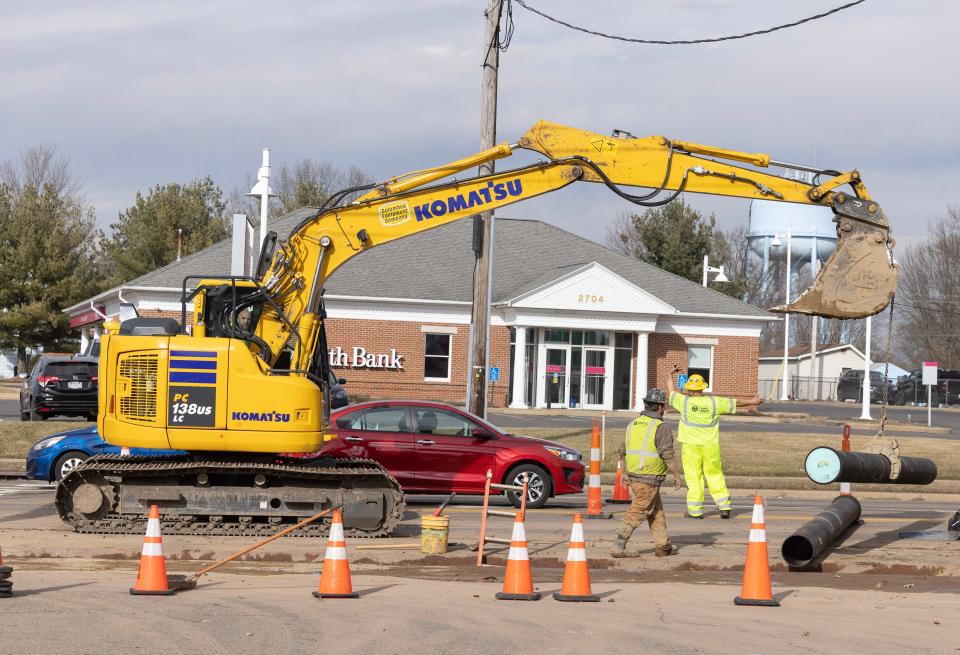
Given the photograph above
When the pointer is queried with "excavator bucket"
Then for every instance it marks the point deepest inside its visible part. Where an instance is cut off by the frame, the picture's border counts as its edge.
(860, 277)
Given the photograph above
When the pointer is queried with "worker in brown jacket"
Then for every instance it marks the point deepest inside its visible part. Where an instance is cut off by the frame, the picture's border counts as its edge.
(648, 455)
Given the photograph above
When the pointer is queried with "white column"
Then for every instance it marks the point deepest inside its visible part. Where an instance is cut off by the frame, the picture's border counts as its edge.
(519, 379)
(866, 375)
(643, 361)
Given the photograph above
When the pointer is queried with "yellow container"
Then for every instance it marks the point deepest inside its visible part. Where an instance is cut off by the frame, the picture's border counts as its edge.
(434, 531)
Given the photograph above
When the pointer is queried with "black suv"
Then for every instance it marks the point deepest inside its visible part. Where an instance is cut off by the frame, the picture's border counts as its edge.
(910, 388)
(850, 386)
(60, 386)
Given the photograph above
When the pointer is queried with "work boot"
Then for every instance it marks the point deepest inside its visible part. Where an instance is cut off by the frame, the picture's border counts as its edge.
(665, 551)
(691, 516)
(620, 549)
(724, 513)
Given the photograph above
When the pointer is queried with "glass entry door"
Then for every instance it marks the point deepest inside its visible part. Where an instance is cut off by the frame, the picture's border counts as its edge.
(556, 377)
(594, 378)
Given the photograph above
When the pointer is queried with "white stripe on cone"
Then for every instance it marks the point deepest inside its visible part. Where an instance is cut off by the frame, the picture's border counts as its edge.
(336, 552)
(336, 531)
(153, 527)
(594, 453)
(757, 514)
(518, 553)
(152, 550)
(576, 555)
(594, 480)
(519, 534)
(576, 534)
(844, 488)
(758, 535)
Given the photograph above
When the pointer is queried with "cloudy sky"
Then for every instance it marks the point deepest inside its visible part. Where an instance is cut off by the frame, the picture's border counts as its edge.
(143, 93)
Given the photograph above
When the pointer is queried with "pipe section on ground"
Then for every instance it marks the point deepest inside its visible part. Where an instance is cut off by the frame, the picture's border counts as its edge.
(804, 545)
(825, 465)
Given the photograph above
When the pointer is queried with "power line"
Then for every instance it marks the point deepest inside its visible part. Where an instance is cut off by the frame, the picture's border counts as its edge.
(716, 39)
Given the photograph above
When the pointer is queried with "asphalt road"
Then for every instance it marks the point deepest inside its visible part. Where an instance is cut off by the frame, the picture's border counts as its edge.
(900, 595)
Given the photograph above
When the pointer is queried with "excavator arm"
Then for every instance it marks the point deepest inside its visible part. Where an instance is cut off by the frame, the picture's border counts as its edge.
(857, 281)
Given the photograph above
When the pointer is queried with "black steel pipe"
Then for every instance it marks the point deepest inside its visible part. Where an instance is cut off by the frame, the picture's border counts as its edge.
(825, 465)
(804, 545)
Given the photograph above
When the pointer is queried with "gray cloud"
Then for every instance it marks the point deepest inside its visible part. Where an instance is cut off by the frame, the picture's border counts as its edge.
(139, 94)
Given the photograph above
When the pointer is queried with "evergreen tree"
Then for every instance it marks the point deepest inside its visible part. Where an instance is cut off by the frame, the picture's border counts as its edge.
(145, 236)
(46, 264)
(674, 237)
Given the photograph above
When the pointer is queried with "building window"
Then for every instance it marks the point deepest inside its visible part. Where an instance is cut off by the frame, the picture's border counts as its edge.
(701, 362)
(436, 357)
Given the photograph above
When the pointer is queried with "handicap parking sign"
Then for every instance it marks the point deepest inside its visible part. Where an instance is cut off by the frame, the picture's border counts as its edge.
(494, 373)
(681, 379)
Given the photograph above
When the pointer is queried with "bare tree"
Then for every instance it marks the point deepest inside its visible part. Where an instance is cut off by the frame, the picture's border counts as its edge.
(306, 183)
(39, 167)
(622, 237)
(927, 307)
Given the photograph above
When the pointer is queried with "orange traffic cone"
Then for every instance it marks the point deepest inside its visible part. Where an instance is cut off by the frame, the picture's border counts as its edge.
(335, 577)
(594, 497)
(756, 572)
(576, 575)
(152, 577)
(621, 494)
(517, 579)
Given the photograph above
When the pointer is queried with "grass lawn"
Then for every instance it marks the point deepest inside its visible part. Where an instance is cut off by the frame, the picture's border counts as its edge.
(768, 455)
(16, 437)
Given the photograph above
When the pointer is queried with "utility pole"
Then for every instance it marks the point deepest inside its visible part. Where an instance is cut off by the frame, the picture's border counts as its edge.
(479, 357)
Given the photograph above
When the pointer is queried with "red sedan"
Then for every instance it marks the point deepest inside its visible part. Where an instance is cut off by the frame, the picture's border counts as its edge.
(433, 448)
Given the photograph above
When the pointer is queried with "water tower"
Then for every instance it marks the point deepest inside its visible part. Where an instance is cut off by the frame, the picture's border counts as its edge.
(813, 237)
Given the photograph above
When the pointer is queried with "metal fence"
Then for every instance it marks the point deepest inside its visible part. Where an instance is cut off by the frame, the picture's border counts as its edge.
(799, 388)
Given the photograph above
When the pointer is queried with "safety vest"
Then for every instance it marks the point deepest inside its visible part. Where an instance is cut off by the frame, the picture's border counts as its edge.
(642, 455)
(699, 421)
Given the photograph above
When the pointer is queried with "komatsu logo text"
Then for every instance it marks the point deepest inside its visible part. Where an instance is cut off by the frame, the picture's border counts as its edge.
(264, 417)
(459, 202)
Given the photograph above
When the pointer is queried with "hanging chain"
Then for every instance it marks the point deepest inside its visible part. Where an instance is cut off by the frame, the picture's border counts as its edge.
(886, 368)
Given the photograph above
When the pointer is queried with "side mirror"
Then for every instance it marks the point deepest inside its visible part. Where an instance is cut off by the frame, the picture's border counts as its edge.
(482, 433)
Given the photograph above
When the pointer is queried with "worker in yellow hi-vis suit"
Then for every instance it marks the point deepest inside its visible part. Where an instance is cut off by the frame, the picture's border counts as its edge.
(700, 435)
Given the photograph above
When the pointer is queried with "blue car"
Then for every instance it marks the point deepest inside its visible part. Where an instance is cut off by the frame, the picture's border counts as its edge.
(53, 457)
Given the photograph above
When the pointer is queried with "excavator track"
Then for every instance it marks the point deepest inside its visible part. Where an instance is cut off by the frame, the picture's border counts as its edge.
(228, 497)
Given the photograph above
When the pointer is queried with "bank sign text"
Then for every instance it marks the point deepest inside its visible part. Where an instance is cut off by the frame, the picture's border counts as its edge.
(360, 358)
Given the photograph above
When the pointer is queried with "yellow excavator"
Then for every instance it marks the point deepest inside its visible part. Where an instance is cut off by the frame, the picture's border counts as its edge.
(242, 393)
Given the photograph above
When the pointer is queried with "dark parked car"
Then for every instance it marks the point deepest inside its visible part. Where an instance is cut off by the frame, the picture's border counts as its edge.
(338, 395)
(850, 387)
(60, 386)
(53, 457)
(433, 448)
(910, 388)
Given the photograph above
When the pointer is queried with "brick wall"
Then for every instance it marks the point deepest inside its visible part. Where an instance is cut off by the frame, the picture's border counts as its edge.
(408, 340)
(734, 363)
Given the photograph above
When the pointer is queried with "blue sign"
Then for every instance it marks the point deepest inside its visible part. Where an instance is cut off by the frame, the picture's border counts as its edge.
(681, 379)
(494, 373)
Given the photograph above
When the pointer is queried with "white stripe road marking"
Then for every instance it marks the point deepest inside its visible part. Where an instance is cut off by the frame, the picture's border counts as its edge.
(30, 488)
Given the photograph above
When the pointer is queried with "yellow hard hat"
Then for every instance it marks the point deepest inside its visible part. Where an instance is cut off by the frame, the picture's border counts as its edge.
(695, 383)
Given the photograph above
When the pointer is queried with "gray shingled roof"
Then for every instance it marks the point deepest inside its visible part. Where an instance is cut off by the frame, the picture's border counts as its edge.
(438, 265)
